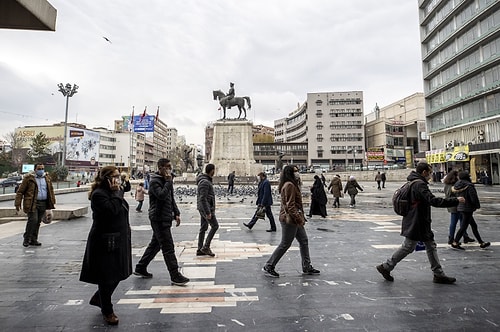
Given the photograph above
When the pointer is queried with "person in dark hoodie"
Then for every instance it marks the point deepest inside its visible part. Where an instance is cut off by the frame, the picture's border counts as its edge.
(162, 212)
(416, 225)
(464, 188)
(206, 207)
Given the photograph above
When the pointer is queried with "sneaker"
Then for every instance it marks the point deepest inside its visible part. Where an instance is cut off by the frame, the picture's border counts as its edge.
(443, 279)
(310, 271)
(179, 280)
(269, 271)
(142, 272)
(485, 244)
(469, 240)
(457, 246)
(386, 274)
(207, 251)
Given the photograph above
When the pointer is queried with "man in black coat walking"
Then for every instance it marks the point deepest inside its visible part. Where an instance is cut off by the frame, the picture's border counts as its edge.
(416, 225)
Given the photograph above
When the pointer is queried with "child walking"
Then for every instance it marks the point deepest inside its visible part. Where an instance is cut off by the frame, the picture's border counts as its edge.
(139, 196)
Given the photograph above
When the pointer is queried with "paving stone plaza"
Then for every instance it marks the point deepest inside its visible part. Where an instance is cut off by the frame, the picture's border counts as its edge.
(41, 291)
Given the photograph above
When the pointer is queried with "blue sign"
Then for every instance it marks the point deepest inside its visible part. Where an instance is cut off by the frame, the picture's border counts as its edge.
(144, 124)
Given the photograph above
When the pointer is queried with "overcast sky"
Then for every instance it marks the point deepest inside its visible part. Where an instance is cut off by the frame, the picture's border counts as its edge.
(173, 53)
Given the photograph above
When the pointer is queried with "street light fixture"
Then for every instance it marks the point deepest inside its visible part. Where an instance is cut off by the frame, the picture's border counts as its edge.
(67, 91)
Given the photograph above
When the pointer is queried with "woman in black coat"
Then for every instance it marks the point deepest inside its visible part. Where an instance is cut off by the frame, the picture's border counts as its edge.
(318, 198)
(108, 255)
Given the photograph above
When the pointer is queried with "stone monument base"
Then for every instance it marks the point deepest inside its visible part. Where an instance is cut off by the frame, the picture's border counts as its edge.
(232, 148)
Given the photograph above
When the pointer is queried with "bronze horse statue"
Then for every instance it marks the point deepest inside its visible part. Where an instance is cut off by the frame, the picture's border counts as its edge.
(235, 101)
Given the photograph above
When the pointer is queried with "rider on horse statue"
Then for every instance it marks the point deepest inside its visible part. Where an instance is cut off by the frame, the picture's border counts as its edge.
(230, 94)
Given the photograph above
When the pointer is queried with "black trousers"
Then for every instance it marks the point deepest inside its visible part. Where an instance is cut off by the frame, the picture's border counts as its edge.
(162, 239)
(104, 292)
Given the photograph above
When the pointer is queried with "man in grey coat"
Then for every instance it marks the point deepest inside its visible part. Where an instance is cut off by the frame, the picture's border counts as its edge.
(416, 225)
(206, 207)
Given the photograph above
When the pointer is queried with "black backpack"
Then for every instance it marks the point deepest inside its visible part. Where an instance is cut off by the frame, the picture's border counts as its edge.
(401, 201)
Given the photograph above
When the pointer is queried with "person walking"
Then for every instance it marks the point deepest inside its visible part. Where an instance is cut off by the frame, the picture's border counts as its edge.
(378, 179)
(416, 225)
(108, 253)
(464, 188)
(230, 182)
(292, 222)
(139, 196)
(335, 188)
(384, 178)
(449, 181)
(162, 212)
(351, 188)
(36, 195)
(318, 198)
(264, 199)
(206, 206)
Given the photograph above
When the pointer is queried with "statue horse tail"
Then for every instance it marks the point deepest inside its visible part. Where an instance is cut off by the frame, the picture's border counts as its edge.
(248, 102)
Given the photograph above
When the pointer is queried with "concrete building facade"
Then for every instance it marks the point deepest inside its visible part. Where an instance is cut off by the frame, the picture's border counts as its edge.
(461, 70)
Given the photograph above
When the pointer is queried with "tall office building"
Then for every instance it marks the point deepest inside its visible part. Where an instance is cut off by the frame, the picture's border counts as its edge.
(461, 69)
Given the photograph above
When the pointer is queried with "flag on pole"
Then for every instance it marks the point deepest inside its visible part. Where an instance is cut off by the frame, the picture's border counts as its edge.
(157, 113)
(131, 121)
(143, 114)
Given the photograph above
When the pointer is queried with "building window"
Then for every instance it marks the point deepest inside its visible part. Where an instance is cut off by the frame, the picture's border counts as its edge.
(319, 113)
(319, 137)
(319, 125)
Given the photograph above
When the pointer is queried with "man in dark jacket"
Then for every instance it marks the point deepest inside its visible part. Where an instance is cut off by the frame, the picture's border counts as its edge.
(206, 207)
(265, 199)
(162, 211)
(416, 225)
(37, 194)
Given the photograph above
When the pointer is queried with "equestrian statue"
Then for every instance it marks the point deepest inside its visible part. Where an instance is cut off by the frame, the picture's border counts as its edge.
(230, 100)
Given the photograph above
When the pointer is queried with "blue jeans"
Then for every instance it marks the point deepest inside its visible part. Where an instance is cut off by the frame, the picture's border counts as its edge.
(455, 218)
(288, 233)
(407, 247)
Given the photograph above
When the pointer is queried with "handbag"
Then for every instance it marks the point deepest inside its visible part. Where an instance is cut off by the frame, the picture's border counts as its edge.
(261, 212)
(47, 218)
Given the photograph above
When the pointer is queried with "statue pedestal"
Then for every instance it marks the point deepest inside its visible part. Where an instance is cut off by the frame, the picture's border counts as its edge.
(232, 148)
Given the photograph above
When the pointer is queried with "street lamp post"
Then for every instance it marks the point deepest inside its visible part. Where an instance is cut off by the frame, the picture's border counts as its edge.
(67, 91)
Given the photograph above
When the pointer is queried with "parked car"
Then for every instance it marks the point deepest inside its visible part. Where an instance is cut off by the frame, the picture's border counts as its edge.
(11, 182)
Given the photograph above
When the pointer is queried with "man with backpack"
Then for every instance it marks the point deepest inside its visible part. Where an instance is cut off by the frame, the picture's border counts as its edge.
(416, 225)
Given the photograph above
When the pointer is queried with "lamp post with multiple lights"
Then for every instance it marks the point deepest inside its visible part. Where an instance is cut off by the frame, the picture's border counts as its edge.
(68, 91)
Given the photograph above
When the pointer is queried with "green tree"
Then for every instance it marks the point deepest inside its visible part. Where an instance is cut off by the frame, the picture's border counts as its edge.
(59, 173)
(38, 147)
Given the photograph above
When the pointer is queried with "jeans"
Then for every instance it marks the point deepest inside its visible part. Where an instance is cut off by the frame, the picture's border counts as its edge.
(353, 199)
(454, 219)
(288, 233)
(214, 226)
(468, 219)
(162, 239)
(139, 206)
(407, 247)
(34, 220)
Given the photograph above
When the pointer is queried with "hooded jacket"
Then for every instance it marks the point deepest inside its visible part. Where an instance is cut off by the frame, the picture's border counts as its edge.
(205, 199)
(465, 189)
(416, 225)
(162, 206)
(335, 187)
